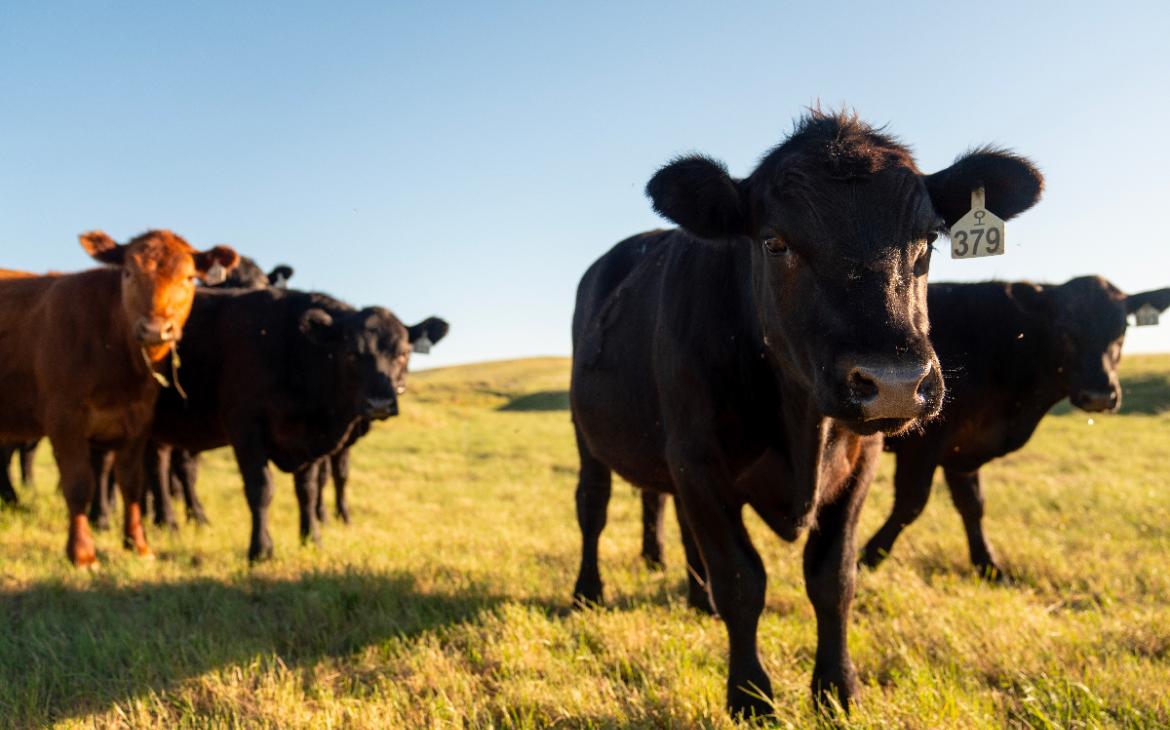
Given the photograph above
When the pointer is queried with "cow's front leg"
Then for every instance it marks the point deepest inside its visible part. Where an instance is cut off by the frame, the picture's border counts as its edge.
(912, 480)
(130, 473)
(305, 480)
(158, 480)
(594, 485)
(253, 463)
(653, 509)
(339, 464)
(829, 574)
(185, 470)
(71, 451)
(967, 494)
(735, 572)
(323, 473)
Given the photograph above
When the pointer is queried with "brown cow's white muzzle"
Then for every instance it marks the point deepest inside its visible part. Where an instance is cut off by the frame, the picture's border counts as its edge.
(886, 391)
(155, 331)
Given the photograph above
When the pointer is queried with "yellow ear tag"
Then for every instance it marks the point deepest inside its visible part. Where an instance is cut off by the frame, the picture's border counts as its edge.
(979, 233)
(1146, 316)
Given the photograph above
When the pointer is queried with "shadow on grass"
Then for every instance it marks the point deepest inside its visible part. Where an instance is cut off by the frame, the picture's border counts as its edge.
(66, 652)
(544, 400)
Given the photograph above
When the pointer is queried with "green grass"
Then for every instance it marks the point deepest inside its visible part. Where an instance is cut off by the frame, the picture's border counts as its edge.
(444, 604)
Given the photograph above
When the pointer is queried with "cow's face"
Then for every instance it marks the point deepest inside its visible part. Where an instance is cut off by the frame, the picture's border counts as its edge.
(373, 349)
(1087, 317)
(840, 226)
(159, 271)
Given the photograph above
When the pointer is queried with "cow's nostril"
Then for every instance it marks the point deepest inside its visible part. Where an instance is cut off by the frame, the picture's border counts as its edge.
(862, 385)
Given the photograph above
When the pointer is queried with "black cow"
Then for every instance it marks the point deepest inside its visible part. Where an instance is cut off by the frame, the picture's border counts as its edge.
(1011, 351)
(755, 357)
(285, 377)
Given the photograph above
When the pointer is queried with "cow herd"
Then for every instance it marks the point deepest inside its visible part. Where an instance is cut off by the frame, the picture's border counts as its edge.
(131, 370)
(761, 354)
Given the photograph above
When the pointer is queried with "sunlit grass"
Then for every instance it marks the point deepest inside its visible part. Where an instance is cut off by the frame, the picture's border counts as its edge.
(445, 602)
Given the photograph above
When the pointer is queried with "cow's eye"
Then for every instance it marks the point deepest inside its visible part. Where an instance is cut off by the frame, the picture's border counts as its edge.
(775, 246)
(922, 264)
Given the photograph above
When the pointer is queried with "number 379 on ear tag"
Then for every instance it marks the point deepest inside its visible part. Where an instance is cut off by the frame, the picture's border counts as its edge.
(978, 233)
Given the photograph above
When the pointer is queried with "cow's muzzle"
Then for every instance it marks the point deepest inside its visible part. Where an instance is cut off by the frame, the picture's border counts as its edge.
(381, 408)
(1097, 401)
(155, 331)
(884, 391)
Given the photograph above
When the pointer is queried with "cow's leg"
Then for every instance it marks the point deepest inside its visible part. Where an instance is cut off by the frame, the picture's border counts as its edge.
(698, 596)
(829, 573)
(28, 452)
(253, 464)
(71, 451)
(912, 479)
(99, 506)
(967, 494)
(130, 473)
(340, 467)
(735, 572)
(305, 480)
(7, 492)
(594, 484)
(653, 510)
(185, 470)
(158, 481)
(323, 472)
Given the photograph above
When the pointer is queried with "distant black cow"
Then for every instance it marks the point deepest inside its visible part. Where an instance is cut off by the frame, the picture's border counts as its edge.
(283, 376)
(1011, 351)
(753, 357)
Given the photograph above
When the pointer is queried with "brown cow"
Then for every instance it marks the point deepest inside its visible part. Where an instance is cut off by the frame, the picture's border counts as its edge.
(82, 355)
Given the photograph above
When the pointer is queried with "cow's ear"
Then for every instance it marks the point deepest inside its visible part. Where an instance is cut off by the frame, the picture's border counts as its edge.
(102, 248)
(1012, 184)
(318, 326)
(1158, 298)
(213, 264)
(1031, 298)
(426, 333)
(697, 193)
(279, 276)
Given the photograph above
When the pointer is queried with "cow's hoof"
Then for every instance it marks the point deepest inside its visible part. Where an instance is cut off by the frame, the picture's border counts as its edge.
(839, 692)
(992, 573)
(751, 703)
(101, 524)
(871, 557)
(260, 554)
(343, 515)
(701, 602)
(587, 595)
(654, 562)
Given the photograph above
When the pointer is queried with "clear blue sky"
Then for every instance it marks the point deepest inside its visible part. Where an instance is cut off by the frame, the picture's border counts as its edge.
(471, 159)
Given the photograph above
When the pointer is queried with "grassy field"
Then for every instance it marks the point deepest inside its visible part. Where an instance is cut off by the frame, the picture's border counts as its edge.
(444, 604)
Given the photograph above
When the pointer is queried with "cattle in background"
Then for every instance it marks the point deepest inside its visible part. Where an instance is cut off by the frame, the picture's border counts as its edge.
(81, 356)
(282, 376)
(183, 465)
(755, 356)
(1011, 351)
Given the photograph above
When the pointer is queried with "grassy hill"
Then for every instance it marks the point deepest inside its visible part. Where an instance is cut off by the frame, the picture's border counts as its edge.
(444, 603)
